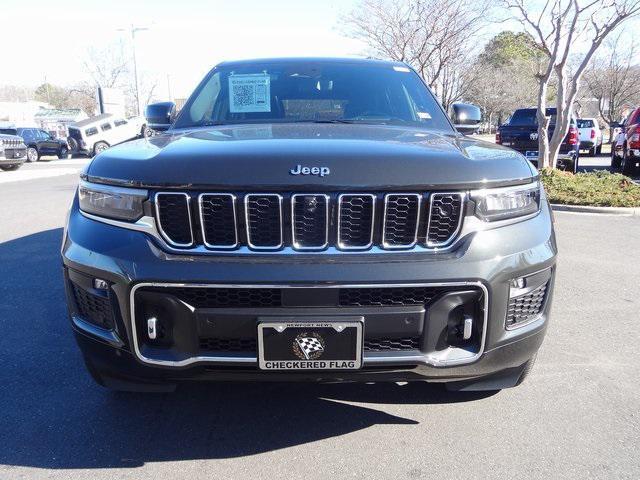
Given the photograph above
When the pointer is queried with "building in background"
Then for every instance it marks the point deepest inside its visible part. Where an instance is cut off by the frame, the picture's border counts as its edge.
(55, 121)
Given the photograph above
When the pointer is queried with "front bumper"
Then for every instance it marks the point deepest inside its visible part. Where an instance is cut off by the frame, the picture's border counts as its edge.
(487, 261)
(13, 156)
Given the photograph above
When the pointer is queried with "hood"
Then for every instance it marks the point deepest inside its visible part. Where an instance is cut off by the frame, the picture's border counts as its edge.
(4, 136)
(345, 156)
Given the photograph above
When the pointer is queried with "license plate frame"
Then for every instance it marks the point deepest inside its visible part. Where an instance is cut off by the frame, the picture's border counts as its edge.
(294, 344)
(531, 153)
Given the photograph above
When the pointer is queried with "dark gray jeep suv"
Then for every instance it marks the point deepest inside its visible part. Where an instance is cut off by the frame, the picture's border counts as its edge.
(309, 219)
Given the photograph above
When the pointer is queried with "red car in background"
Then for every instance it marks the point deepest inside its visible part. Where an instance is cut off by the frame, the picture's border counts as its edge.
(625, 149)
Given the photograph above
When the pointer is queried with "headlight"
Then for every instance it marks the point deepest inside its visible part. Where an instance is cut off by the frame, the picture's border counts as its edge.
(504, 203)
(112, 202)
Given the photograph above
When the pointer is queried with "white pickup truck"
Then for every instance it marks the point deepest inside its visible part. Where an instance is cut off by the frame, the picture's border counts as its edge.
(96, 134)
(590, 135)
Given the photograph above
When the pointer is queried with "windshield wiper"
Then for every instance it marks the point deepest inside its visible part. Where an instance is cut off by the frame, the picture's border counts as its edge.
(335, 120)
(212, 123)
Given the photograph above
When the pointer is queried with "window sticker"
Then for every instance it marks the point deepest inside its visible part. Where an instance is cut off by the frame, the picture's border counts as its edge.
(250, 93)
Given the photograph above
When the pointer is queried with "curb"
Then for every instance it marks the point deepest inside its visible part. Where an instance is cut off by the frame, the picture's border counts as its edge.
(625, 211)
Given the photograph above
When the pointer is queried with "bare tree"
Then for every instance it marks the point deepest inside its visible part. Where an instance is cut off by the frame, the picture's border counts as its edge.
(107, 66)
(613, 79)
(433, 36)
(558, 26)
(499, 89)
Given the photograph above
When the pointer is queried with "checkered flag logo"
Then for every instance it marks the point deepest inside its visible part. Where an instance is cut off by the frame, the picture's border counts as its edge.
(309, 346)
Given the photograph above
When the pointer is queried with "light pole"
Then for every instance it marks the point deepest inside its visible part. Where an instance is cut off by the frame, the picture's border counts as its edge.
(133, 30)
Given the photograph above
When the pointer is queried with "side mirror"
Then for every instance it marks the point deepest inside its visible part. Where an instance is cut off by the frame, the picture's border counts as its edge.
(160, 115)
(466, 117)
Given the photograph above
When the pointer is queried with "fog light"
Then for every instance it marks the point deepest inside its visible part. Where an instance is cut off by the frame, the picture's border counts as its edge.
(100, 284)
(519, 282)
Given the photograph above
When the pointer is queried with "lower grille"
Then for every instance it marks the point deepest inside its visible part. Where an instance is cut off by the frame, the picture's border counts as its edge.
(226, 297)
(93, 308)
(391, 344)
(526, 308)
(247, 345)
(205, 297)
(369, 297)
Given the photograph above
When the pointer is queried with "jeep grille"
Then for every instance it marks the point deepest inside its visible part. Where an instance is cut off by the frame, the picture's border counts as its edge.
(308, 221)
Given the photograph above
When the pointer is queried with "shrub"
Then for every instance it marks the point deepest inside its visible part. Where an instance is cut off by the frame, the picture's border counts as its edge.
(599, 188)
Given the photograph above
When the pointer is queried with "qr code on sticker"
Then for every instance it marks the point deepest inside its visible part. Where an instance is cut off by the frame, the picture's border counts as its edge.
(244, 95)
(249, 93)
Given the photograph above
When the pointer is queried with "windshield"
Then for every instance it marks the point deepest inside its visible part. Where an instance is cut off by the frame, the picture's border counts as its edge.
(585, 123)
(312, 92)
(525, 117)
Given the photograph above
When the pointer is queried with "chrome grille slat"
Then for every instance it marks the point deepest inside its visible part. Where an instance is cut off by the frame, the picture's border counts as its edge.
(401, 220)
(263, 219)
(356, 220)
(173, 213)
(445, 218)
(310, 221)
(218, 220)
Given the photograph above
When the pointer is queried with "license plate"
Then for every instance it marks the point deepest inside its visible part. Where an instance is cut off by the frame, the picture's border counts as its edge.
(285, 344)
(531, 154)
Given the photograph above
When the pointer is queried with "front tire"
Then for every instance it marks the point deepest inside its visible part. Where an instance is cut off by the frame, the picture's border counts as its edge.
(32, 154)
(10, 168)
(63, 153)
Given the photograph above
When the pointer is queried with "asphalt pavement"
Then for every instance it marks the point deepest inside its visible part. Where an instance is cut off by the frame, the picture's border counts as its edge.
(577, 416)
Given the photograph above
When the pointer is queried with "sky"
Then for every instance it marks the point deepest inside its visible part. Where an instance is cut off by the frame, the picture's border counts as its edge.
(185, 38)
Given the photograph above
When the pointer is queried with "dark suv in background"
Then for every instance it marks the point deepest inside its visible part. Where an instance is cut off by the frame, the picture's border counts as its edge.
(520, 132)
(309, 219)
(39, 143)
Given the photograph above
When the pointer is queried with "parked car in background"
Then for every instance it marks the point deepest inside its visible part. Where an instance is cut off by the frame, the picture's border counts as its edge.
(627, 147)
(521, 133)
(13, 152)
(96, 134)
(590, 135)
(39, 143)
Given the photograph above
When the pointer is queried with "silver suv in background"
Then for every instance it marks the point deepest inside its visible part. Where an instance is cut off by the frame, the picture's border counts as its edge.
(13, 152)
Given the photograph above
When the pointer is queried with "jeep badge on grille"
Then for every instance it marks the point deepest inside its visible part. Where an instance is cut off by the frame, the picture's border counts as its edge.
(300, 170)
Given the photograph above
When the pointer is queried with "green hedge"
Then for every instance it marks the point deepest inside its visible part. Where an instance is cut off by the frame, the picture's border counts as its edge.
(600, 188)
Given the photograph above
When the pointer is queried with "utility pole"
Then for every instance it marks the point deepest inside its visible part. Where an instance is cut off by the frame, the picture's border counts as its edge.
(133, 30)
